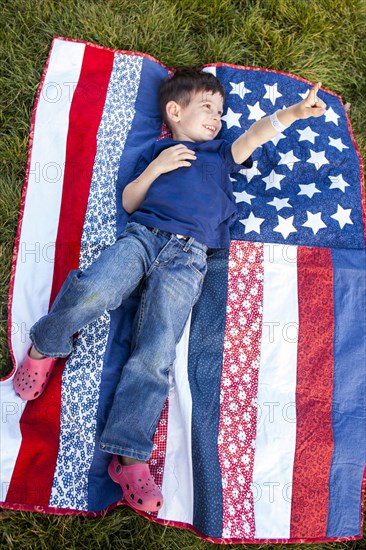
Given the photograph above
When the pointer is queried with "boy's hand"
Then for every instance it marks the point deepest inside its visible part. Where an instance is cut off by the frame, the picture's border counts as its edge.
(170, 159)
(173, 157)
(262, 130)
(311, 105)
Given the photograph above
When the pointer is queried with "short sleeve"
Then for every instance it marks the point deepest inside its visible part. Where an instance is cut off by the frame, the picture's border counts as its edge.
(143, 162)
(133, 162)
(232, 166)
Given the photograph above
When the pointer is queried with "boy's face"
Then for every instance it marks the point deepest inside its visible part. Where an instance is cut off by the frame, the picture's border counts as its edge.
(200, 120)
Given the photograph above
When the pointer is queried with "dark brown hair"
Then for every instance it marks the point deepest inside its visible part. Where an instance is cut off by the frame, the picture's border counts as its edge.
(183, 84)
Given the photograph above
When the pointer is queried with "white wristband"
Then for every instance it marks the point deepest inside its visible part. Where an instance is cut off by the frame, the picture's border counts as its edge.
(276, 123)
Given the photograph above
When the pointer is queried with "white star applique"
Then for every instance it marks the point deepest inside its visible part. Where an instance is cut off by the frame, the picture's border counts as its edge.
(277, 138)
(273, 180)
(308, 189)
(252, 223)
(211, 70)
(255, 112)
(285, 226)
(289, 159)
(231, 118)
(240, 89)
(314, 222)
(331, 116)
(272, 93)
(338, 183)
(318, 158)
(243, 196)
(337, 143)
(307, 135)
(249, 173)
(342, 216)
(280, 203)
(305, 94)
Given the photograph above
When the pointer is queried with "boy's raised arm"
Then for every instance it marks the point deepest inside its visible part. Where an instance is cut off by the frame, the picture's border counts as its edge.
(263, 130)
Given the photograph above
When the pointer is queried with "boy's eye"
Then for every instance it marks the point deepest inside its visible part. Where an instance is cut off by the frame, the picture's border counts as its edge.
(208, 106)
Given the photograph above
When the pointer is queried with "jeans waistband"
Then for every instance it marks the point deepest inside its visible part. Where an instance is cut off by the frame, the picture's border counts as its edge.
(186, 242)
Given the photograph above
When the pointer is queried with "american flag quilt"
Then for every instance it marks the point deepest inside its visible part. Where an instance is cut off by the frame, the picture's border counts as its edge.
(263, 436)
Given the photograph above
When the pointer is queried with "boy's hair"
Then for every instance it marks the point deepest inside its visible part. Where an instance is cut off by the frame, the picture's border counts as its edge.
(183, 84)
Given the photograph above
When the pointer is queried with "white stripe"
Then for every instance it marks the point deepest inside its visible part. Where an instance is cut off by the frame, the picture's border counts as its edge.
(34, 266)
(276, 424)
(35, 262)
(178, 473)
(12, 408)
(211, 70)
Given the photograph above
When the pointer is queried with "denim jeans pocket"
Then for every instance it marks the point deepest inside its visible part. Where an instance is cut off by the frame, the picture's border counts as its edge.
(198, 264)
(130, 226)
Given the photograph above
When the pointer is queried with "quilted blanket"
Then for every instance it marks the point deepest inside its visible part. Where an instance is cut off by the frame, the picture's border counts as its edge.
(263, 435)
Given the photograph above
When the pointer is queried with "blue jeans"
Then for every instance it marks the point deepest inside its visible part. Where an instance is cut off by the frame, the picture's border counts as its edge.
(172, 271)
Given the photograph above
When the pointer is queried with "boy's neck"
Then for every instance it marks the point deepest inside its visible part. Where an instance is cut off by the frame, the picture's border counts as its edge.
(178, 137)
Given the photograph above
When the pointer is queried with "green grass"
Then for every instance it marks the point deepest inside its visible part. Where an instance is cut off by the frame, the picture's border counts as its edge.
(316, 39)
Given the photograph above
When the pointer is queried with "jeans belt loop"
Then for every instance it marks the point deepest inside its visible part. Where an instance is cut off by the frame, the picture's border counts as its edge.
(188, 244)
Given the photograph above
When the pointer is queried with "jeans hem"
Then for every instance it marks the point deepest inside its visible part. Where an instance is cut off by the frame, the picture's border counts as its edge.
(116, 450)
(45, 353)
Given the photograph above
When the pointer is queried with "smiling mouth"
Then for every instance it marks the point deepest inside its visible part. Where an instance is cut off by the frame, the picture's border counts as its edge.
(210, 128)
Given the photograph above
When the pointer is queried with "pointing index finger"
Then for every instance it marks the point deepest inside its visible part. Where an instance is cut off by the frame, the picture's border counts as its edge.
(316, 90)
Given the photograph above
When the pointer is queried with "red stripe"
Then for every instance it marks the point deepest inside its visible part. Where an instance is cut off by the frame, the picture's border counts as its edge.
(239, 387)
(314, 438)
(85, 116)
(157, 459)
(40, 423)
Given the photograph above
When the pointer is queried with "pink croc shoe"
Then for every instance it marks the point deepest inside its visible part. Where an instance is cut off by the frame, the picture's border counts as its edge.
(137, 485)
(31, 378)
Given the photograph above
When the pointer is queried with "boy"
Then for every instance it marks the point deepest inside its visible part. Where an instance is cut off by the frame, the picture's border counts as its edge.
(180, 204)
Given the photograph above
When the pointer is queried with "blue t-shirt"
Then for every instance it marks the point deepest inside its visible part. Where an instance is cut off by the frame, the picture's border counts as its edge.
(194, 201)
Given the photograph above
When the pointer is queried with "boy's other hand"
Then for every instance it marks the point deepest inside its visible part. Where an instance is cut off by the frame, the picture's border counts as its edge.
(311, 105)
(174, 157)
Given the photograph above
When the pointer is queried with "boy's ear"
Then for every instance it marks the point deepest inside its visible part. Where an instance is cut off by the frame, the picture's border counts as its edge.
(173, 111)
